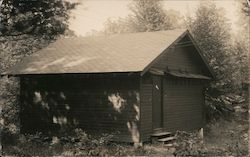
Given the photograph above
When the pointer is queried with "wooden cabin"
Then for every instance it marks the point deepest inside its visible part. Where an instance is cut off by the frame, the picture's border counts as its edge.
(130, 85)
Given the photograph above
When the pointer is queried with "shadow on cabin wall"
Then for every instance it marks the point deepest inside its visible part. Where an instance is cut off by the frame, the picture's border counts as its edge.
(56, 104)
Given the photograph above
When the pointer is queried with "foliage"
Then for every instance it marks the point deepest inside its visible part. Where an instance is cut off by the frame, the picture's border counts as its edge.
(242, 41)
(229, 137)
(34, 17)
(189, 144)
(27, 26)
(76, 144)
(12, 50)
(147, 15)
(240, 57)
(243, 12)
(121, 25)
(211, 30)
(221, 138)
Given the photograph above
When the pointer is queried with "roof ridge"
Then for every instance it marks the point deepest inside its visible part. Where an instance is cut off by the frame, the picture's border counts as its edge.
(121, 34)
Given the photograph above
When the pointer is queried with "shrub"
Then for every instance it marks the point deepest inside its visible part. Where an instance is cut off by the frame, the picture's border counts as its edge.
(223, 105)
(189, 144)
(78, 143)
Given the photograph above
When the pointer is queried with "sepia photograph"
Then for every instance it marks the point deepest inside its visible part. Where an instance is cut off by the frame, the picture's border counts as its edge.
(124, 78)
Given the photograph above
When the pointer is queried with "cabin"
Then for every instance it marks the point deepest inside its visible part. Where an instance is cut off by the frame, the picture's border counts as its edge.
(130, 85)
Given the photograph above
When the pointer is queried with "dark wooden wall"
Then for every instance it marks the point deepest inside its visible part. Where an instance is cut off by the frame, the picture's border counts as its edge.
(183, 98)
(96, 103)
(183, 58)
(146, 107)
(183, 103)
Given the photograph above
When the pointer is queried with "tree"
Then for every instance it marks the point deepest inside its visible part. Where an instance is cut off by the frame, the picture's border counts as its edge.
(147, 15)
(27, 26)
(242, 42)
(244, 17)
(30, 25)
(211, 30)
(47, 17)
(120, 25)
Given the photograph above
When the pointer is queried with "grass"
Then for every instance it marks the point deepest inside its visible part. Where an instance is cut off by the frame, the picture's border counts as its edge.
(230, 137)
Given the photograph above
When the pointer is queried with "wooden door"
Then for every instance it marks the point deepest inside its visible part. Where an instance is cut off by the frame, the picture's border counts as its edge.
(157, 102)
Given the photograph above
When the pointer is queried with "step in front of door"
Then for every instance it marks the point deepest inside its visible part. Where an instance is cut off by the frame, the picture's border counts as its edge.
(161, 134)
(166, 139)
(162, 137)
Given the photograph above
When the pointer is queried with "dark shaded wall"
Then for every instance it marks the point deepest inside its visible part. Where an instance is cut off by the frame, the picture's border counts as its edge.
(146, 99)
(97, 103)
(183, 104)
(182, 58)
(182, 98)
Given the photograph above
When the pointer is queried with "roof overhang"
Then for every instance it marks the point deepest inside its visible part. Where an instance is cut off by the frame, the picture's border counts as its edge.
(188, 75)
(95, 73)
(179, 74)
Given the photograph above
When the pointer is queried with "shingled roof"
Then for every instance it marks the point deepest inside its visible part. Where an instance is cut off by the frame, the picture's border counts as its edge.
(116, 53)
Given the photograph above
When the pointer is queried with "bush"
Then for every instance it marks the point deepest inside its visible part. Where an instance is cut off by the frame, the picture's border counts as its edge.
(85, 145)
(224, 137)
(223, 105)
(189, 144)
(78, 143)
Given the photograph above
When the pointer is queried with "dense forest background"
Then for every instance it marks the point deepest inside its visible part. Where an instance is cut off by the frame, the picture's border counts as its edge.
(30, 25)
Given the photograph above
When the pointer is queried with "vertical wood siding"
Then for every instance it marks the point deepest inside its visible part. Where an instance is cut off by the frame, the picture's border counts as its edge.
(95, 103)
(146, 107)
(183, 98)
(182, 58)
(183, 104)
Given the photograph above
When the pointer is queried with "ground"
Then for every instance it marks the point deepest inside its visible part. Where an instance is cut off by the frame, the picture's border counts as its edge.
(224, 137)
(230, 137)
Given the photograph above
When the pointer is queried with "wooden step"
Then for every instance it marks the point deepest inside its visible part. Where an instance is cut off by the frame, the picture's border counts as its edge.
(161, 134)
(166, 139)
(158, 130)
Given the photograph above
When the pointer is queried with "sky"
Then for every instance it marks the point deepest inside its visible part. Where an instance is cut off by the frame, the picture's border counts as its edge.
(91, 14)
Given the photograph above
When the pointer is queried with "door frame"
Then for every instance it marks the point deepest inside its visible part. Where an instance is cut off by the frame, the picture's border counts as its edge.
(160, 128)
